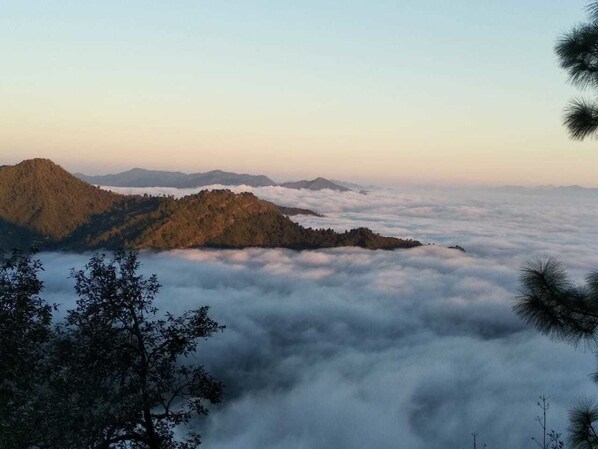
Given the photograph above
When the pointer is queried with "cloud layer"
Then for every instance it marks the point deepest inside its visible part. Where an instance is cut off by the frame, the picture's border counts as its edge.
(349, 348)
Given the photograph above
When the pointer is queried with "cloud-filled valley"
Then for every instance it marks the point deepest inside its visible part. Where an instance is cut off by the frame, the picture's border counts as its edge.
(350, 348)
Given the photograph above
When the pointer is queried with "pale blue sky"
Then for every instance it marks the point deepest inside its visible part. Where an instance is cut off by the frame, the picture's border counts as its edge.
(395, 91)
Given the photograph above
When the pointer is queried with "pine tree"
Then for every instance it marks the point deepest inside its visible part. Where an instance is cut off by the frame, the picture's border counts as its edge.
(569, 312)
(577, 51)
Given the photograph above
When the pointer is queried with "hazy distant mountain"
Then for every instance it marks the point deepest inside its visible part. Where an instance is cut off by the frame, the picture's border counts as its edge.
(42, 204)
(550, 189)
(228, 179)
(352, 185)
(315, 184)
(139, 177)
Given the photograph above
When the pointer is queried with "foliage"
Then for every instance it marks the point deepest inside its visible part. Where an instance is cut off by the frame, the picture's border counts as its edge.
(115, 374)
(549, 300)
(25, 329)
(577, 51)
(141, 381)
(557, 307)
(582, 425)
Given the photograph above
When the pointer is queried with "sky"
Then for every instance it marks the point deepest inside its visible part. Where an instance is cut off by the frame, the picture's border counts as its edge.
(459, 92)
(350, 348)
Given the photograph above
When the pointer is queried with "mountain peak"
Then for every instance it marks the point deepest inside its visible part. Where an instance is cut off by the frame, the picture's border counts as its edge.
(42, 194)
(315, 184)
(36, 164)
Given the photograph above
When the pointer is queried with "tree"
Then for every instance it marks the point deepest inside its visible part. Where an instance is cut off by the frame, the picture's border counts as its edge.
(127, 378)
(25, 330)
(559, 308)
(549, 440)
(549, 300)
(577, 51)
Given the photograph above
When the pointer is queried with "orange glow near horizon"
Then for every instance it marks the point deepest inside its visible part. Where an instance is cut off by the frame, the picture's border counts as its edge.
(370, 99)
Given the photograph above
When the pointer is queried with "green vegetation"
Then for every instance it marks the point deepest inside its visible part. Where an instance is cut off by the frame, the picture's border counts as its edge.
(43, 205)
(577, 51)
(559, 308)
(43, 198)
(25, 330)
(114, 374)
(549, 300)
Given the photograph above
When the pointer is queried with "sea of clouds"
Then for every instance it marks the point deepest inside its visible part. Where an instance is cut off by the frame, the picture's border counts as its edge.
(350, 348)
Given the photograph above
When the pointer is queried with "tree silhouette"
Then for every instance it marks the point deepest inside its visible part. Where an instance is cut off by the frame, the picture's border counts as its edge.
(25, 329)
(550, 439)
(128, 376)
(577, 51)
(115, 374)
(559, 308)
(549, 300)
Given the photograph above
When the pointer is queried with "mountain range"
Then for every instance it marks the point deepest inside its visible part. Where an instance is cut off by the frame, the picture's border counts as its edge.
(41, 204)
(316, 184)
(139, 177)
(550, 189)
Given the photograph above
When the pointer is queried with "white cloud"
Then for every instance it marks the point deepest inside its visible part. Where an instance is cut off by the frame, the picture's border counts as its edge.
(349, 348)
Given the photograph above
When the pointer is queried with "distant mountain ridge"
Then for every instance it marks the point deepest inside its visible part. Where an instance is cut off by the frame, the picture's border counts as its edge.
(42, 204)
(316, 184)
(352, 185)
(568, 189)
(140, 177)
